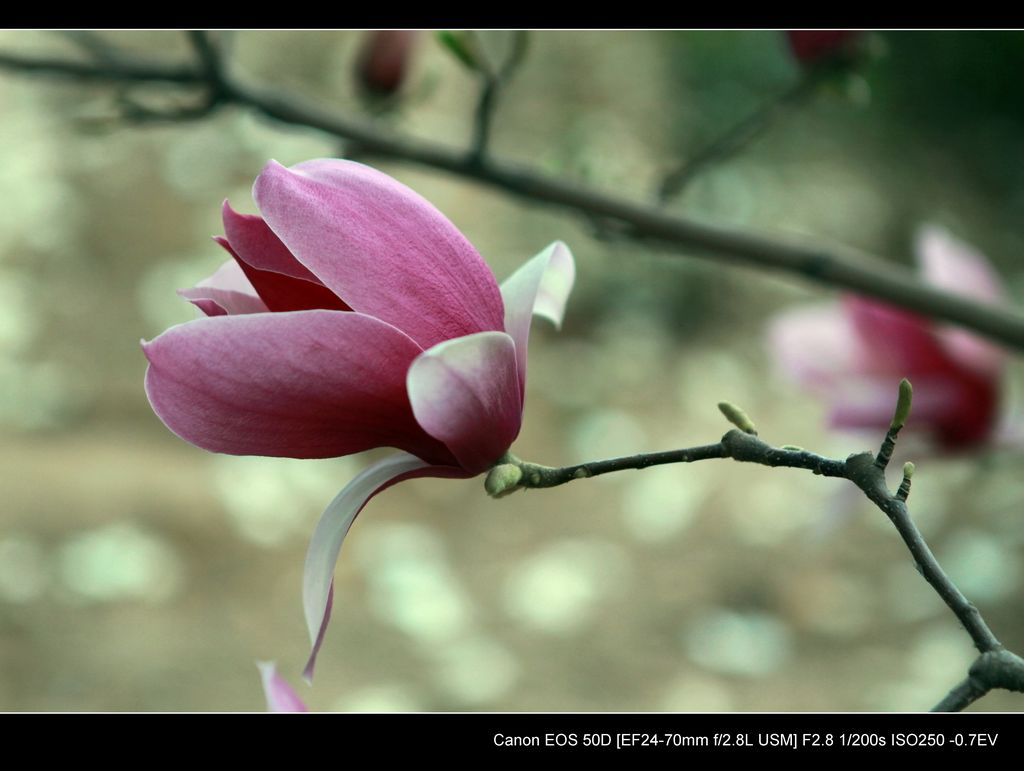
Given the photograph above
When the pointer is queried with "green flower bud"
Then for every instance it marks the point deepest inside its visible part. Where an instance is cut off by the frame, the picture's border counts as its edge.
(502, 480)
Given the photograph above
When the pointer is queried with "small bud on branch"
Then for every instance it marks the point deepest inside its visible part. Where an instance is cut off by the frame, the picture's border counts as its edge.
(738, 418)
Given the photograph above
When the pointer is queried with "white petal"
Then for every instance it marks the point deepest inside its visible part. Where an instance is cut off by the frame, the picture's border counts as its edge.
(334, 524)
(541, 287)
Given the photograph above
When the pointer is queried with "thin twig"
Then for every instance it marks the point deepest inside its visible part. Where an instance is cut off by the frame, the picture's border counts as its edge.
(994, 668)
(208, 56)
(836, 267)
(483, 116)
(961, 696)
(119, 69)
(748, 448)
(739, 136)
(92, 43)
(491, 84)
(998, 668)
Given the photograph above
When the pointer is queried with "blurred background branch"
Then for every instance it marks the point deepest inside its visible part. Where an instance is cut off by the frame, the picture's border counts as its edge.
(734, 140)
(832, 266)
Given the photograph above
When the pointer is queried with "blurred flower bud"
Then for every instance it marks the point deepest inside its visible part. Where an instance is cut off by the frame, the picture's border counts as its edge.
(384, 60)
(811, 46)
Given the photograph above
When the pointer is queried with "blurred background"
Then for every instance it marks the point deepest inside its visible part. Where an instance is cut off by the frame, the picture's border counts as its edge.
(140, 573)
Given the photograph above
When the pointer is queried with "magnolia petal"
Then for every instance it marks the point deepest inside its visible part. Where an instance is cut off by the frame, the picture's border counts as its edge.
(896, 341)
(465, 393)
(541, 287)
(816, 346)
(950, 264)
(227, 291)
(380, 247)
(281, 292)
(306, 384)
(281, 697)
(334, 524)
(255, 244)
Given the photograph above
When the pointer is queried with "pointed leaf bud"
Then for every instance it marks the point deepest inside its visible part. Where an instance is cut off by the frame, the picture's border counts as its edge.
(737, 417)
(903, 403)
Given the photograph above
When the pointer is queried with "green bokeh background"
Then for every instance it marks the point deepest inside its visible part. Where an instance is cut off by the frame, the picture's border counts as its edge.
(140, 573)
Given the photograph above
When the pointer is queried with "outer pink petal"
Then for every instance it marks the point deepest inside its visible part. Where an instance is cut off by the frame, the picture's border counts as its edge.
(308, 384)
(540, 287)
(465, 392)
(334, 524)
(957, 267)
(227, 291)
(381, 248)
(255, 243)
(281, 697)
(817, 346)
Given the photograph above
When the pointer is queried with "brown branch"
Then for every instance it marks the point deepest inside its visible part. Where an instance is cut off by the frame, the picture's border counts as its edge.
(113, 69)
(961, 696)
(835, 266)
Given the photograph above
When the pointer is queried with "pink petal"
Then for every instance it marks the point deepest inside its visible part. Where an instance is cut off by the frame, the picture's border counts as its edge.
(256, 244)
(380, 247)
(334, 524)
(465, 392)
(540, 287)
(307, 384)
(280, 696)
(281, 280)
(816, 346)
(896, 341)
(951, 264)
(957, 267)
(226, 291)
(282, 293)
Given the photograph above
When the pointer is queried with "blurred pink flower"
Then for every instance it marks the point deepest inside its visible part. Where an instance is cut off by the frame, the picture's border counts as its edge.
(854, 354)
(353, 315)
(281, 697)
(814, 45)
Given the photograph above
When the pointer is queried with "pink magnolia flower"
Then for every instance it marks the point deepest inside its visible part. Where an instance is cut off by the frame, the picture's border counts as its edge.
(854, 354)
(353, 315)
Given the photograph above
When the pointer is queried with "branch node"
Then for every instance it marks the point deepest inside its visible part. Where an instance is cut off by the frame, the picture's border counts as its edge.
(999, 669)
